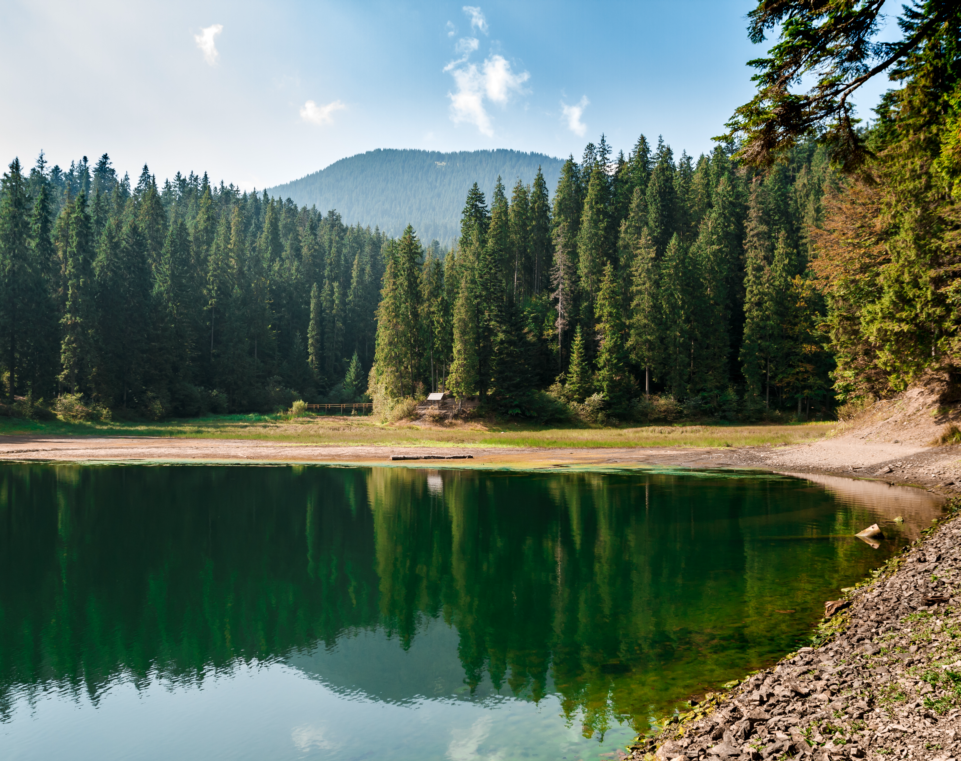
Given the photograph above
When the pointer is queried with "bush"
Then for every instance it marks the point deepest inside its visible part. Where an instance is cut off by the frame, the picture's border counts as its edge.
(71, 409)
(591, 410)
(27, 408)
(403, 409)
(186, 400)
(217, 402)
(298, 408)
(278, 397)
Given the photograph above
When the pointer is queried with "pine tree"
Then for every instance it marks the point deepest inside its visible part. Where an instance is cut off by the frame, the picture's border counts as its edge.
(75, 347)
(677, 280)
(475, 219)
(463, 379)
(398, 357)
(17, 273)
(174, 342)
(540, 234)
(564, 282)
(662, 202)
(44, 355)
(592, 239)
(580, 383)
(314, 335)
(756, 348)
(521, 252)
(354, 378)
(645, 334)
(568, 202)
(613, 379)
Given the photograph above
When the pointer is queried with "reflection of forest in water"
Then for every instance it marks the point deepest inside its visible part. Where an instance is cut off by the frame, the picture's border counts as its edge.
(622, 594)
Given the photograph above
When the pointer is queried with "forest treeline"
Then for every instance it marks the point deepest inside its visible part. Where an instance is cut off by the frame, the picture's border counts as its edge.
(645, 274)
(178, 299)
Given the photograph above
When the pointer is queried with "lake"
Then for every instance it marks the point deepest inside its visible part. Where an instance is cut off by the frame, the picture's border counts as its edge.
(307, 612)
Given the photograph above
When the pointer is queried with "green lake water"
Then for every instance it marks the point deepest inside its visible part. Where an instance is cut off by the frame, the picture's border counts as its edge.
(206, 612)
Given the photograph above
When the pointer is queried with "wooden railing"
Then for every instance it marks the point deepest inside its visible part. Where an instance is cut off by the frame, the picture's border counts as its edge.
(360, 408)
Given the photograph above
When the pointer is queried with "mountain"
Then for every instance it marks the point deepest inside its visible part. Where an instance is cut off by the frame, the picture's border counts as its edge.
(393, 188)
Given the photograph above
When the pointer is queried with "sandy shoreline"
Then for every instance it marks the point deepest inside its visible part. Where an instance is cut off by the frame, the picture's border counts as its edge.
(936, 469)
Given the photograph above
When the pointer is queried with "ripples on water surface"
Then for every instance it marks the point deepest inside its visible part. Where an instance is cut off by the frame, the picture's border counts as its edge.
(196, 612)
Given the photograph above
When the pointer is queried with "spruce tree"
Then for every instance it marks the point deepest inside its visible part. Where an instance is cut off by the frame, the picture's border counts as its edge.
(17, 274)
(521, 254)
(315, 335)
(540, 234)
(463, 378)
(474, 219)
(580, 383)
(662, 203)
(592, 239)
(76, 351)
(756, 349)
(613, 378)
(564, 282)
(677, 281)
(44, 354)
(354, 378)
(645, 333)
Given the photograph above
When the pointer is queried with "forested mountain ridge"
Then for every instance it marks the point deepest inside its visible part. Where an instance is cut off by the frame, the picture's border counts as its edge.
(394, 188)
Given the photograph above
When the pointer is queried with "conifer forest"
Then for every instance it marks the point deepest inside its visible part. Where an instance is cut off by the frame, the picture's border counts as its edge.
(808, 259)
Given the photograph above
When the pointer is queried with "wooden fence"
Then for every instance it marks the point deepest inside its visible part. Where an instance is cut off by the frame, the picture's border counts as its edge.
(356, 408)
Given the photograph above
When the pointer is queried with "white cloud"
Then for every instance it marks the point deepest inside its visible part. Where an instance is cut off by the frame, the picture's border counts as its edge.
(477, 20)
(494, 80)
(320, 115)
(467, 104)
(573, 115)
(451, 29)
(500, 82)
(206, 41)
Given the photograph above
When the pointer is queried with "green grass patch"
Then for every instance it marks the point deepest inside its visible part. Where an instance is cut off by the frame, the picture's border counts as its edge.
(363, 431)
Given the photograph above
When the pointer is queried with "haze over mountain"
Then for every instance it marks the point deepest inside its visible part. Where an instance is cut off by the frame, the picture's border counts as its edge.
(394, 188)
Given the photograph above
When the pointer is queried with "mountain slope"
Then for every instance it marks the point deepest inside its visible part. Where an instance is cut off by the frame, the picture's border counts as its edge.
(394, 188)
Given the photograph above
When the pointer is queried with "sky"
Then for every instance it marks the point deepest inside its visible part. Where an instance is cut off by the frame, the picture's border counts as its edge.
(258, 94)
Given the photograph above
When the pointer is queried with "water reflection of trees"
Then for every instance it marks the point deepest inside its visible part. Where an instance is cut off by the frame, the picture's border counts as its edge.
(621, 593)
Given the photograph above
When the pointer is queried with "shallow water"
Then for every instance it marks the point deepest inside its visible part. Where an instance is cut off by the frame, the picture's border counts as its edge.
(198, 612)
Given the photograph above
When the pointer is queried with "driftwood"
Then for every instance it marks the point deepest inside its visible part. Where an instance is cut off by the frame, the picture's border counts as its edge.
(833, 606)
(431, 457)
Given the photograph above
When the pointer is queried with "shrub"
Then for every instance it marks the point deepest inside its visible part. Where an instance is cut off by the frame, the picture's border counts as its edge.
(951, 435)
(298, 408)
(591, 410)
(71, 409)
(278, 397)
(217, 402)
(403, 409)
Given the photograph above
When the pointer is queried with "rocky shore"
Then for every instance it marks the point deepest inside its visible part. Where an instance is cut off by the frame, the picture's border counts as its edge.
(884, 682)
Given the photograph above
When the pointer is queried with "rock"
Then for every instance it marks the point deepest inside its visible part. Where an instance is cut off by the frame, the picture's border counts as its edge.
(871, 532)
(669, 751)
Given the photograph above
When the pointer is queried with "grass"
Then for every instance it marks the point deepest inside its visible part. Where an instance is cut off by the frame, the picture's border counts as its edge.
(361, 431)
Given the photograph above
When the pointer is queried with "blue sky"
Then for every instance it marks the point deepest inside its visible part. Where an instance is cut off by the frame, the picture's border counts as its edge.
(261, 93)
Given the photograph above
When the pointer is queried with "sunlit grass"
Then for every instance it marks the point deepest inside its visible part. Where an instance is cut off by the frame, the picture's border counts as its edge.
(362, 431)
